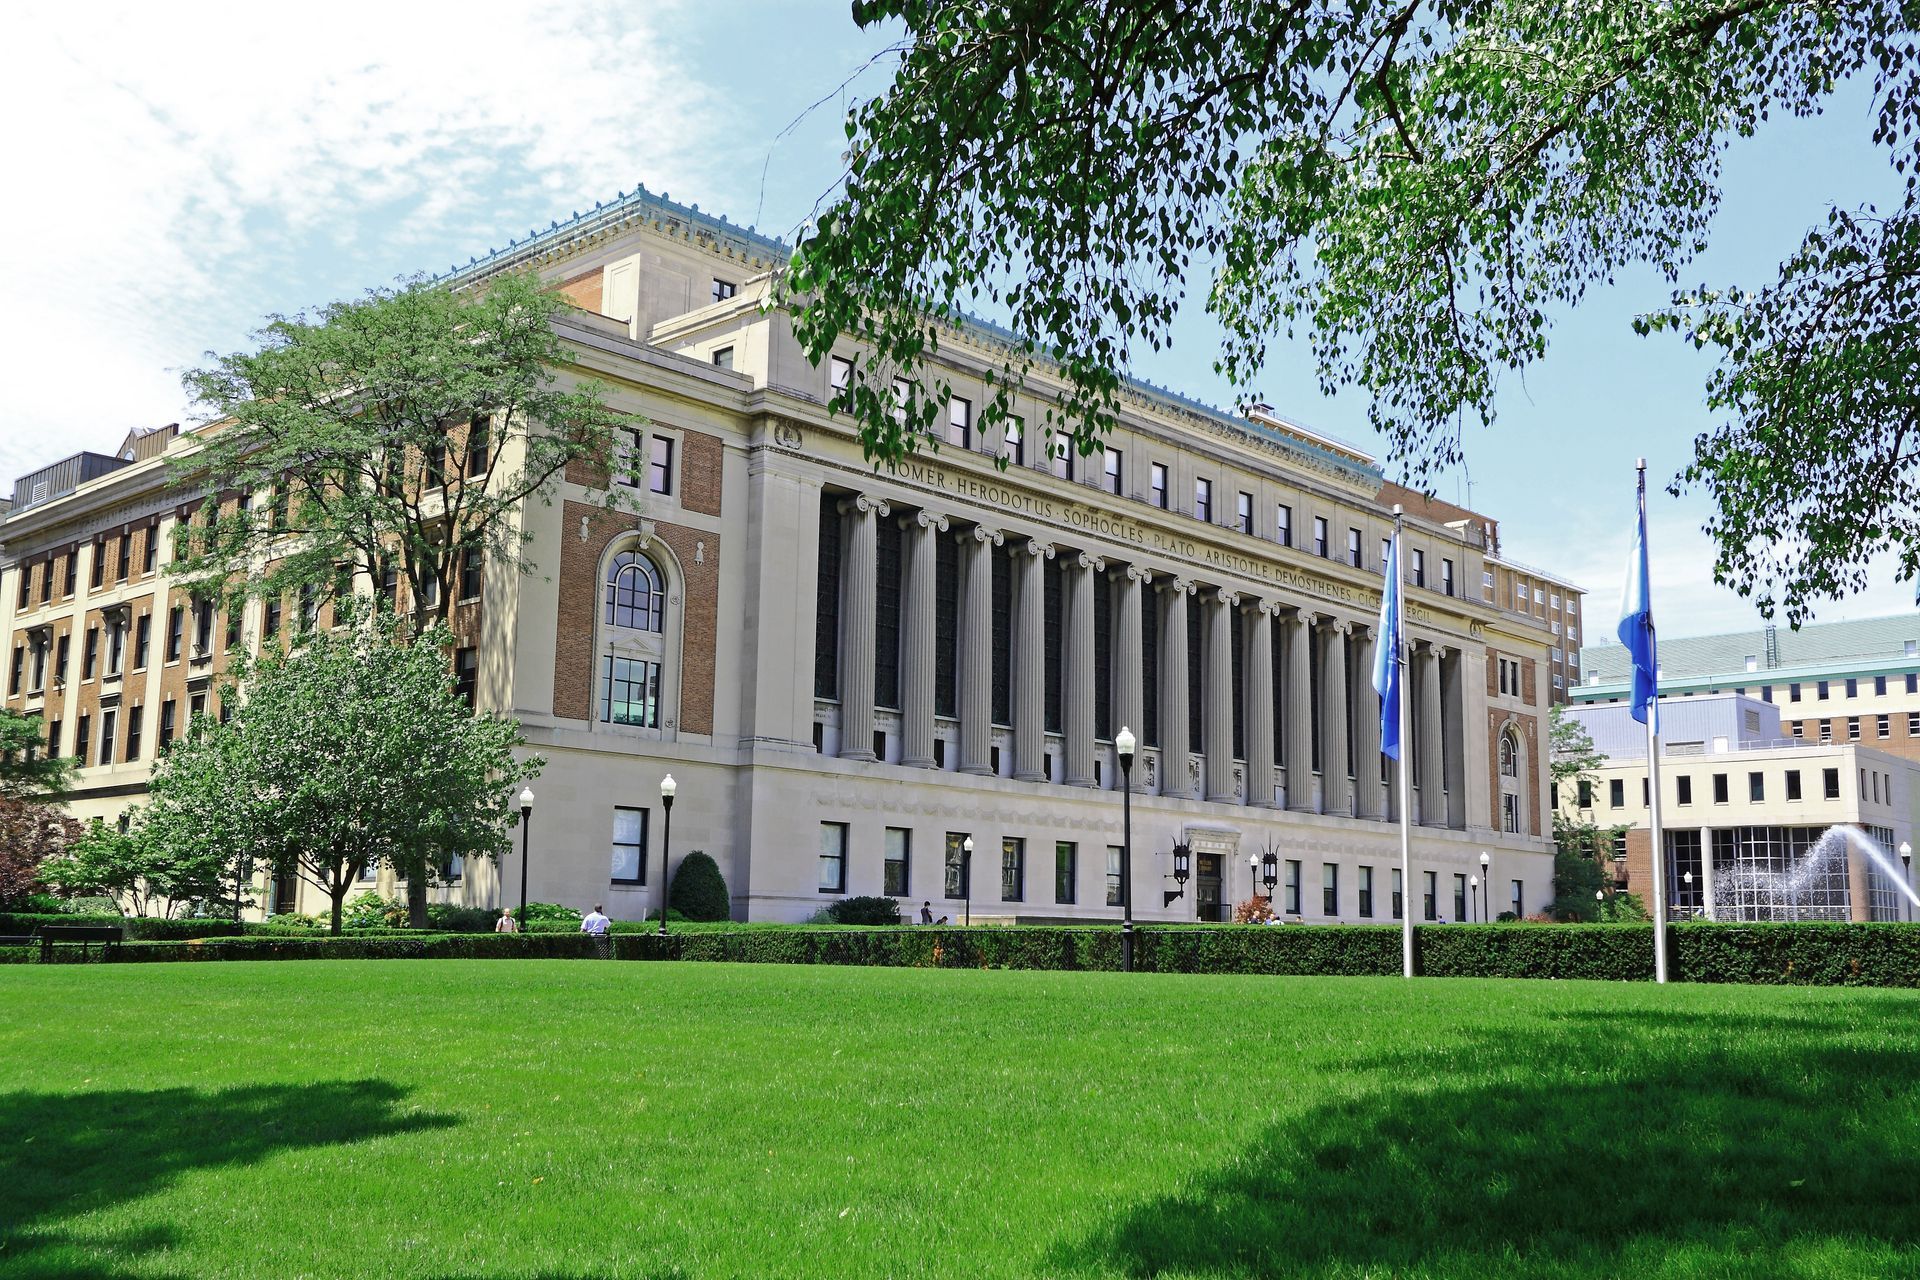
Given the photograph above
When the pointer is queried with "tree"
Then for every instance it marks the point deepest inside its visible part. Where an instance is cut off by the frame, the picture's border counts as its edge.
(25, 768)
(699, 891)
(140, 868)
(1412, 188)
(1578, 843)
(30, 834)
(399, 434)
(348, 751)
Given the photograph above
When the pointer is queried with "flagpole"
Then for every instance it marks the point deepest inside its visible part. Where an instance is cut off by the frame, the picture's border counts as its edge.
(1398, 640)
(1658, 853)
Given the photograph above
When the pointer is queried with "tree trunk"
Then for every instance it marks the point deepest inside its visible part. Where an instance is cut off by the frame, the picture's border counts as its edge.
(338, 892)
(417, 891)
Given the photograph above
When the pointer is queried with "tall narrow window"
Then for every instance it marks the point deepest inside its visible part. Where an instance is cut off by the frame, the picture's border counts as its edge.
(1459, 896)
(1243, 512)
(660, 465)
(1419, 567)
(959, 422)
(956, 864)
(1446, 578)
(1203, 499)
(91, 657)
(1013, 869)
(1430, 907)
(107, 726)
(175, 630)
(1366, 893)
(1061, 457)
(1320, 547)
(1329, 888)
(833, 857)
(1157, 476)
(1113, 471)
(479, 444)
(898, 855)
(466, 675)
(1399, 895)
(629, 863)
(123, 568)
(135, 714)
(142, 638)
(1065, 855)
(1114, 881)
(1293, 887)
(1283, 524)
(1353, 547)
(167, 712)
(1013, 442)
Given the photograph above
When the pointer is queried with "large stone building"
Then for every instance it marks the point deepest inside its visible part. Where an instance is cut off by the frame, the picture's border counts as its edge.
(851, 670)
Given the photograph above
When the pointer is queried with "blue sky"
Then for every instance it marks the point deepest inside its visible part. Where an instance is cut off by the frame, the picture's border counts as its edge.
(199, 166)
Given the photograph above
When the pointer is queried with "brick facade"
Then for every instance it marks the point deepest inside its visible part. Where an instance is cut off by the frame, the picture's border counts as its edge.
(583, 290)
(701, 459)
(580, 588)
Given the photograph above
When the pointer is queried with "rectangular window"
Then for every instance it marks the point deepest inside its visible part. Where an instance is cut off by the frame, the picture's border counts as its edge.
(470, 560)
(98, 573)
(91, 655)
(46, 579)
(899, 849)
(1399, 895)
(123, 566)
(1830, 783)
(628, 443)
(73, 559)
(723, 358)
(1243, 512)
(1293, 887)
(722, 290)
(107, 718)
(1459, 896)
(957, 867)
(81, 742)
(1793, 784)
(466, 675)
(1013, 442)
(1793, 693)
(167, 710)
(63, 649)
(1446, 583)
(1617, 793)
(1913, 724)
(1510, 813)
(1913, 682)
(25, 596)
(1065, 855)
(1853, 728)
(1157, 483)
(1283, 524)
(135, 714)
(1518, 914)
(1826, 731)
(1320, 547)
(1203, 500)
(660, 464)
(1683, 789)
(629, 846)
(1062, 459)
(1880, 686)
(142, 640)
(19, 667)
(1820, 690)
(960, 422)
(839, 373)
(1756, 787)
(1353, 547)
(629, 692)
(1366, 893)
(270, 617)
(1853, 688)
(1586, 794)
(1419, 568)
(1013, 869)
(1114, 854)
(1719, 788)
(1329, 888)
(1430, 893)
(479, 444)
(1114, 470)
(833, 857)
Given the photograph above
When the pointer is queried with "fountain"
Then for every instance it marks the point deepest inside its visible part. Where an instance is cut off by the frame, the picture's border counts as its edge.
(1811, 886)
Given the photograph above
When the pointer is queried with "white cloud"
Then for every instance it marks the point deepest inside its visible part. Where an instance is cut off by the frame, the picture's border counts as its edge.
(178, 171)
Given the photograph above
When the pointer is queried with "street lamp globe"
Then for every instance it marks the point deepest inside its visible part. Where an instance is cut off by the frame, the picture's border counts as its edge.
(1124, 742)
(967, 844)
(526, 799)
(1486, 860)
(668, 787)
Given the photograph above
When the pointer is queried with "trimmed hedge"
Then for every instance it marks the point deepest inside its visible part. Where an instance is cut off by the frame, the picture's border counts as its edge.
(445, 946)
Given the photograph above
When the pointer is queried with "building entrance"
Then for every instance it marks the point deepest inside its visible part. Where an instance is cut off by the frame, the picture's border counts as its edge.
(1206, 886)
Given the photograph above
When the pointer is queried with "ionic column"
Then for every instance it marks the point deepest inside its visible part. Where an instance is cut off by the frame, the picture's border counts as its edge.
(1366, 728)
(917, 650)
(858, 597)
(1297, 710)
(1428, 759)
(1174, 749)
(1336, 795)
(1216, 685)
(1129, 685)
(1078, 693)
(1453, 752)
(976, 650)
(1029, 664)
(1259, 705)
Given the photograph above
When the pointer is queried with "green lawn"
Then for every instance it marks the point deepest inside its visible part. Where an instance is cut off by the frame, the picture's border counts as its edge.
(566, 1118)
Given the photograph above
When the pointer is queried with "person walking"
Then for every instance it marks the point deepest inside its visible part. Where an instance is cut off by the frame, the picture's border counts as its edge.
(595, 926)
(506, 923)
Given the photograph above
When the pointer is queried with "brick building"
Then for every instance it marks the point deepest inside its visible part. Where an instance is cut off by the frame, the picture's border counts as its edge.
(850, 671)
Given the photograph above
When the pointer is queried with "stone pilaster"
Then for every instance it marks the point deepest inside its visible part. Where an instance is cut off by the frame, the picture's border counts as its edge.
(1216, 685)
(1428, 760)
(1336, 794)
(1369, 799)
(858, 597)
(1297, 711)
(1078, 693)
(1453, 725)
(1174, 748)
(917, 648)
(1029, 663)
(976, 649)
(1129, 684)
(1259, 704)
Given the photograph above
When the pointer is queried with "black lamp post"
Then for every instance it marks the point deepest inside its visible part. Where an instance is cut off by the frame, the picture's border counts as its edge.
(1270, 871)
(1182, 868)
(1473, 896)
(667, 788)
(1486, 886)
(526, 827)
(966, 878)
(1123, 745)
(1906, 861)
(1600, 897)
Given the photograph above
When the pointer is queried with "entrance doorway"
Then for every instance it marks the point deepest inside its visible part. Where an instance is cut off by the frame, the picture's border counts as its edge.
(1206, 886)
(286, 892)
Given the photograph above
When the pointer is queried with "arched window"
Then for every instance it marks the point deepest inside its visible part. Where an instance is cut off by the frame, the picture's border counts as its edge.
(1509, 755)
(635, 601)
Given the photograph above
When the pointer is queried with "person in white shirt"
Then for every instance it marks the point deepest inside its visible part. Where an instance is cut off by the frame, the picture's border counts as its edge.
(506, 923)
(595, 926)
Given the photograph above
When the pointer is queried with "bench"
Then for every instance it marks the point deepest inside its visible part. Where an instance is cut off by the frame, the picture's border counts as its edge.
(51, 935)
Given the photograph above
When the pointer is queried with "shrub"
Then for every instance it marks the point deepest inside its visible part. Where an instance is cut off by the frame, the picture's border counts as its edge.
(864, 910)
(447, 917)
(547, 912)
(699, 891)
(673, 916)
(1255, 910)
(370, 910)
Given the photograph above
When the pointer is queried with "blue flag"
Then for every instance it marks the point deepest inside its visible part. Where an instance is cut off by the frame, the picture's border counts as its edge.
(1636, 625)
(1386, 655)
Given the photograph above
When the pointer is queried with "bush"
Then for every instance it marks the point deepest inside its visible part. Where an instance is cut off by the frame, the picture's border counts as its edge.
(413, 945)
(673, 916)
(864, 911)
(699, 892)
(370, 910)
(547, 913)
(447, 917)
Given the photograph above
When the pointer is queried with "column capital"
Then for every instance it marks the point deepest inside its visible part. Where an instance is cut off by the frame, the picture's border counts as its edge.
(1257, 604)
(929, 520)
(1139, 573)
(1226, 596)
(1180, 587)
(1087, 560)
(980, 533)
(1338, 626)
(864, 502)
(1038, 549)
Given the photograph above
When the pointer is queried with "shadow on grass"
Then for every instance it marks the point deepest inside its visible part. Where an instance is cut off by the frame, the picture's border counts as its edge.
(66, 1155)
(1598, 1145)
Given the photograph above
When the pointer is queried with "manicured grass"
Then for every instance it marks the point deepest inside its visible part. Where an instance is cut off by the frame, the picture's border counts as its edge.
(568, 1118)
